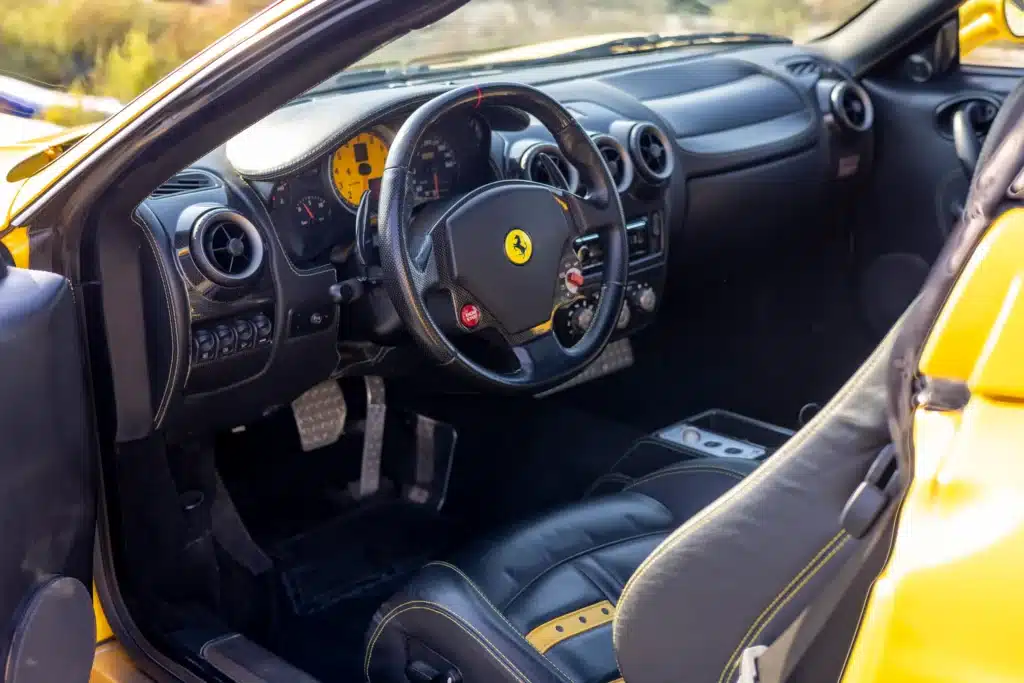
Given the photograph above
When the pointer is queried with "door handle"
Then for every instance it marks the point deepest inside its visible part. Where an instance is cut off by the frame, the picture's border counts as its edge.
(965, 135)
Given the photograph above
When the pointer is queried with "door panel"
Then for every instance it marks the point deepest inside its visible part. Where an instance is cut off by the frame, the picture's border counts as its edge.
(919, 183)
(918, 175)
(47, 476)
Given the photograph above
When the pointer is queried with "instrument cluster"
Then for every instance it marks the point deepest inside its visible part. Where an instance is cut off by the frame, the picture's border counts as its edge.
(314, 210)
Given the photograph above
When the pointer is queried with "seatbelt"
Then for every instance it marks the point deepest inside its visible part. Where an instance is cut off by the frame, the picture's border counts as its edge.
(866, 515)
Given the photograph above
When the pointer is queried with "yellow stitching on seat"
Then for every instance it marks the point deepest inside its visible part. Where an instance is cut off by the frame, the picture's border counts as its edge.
(795, 592)
(490, 604)
(778, 596)
(781, 457)
(440, 610)
(562, 628)
(684, 470)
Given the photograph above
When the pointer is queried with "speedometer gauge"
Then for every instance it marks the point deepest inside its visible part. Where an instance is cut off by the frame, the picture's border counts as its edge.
(434, 169)
(357, 167)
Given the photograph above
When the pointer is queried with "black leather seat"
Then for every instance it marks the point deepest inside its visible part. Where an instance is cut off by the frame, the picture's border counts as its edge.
(687, 568)
(510, 607)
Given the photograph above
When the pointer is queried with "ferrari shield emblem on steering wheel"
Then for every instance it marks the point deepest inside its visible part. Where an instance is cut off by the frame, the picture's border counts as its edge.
(518, 246)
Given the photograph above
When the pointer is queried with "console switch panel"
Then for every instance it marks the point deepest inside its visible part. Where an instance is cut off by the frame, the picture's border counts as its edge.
(226, 338)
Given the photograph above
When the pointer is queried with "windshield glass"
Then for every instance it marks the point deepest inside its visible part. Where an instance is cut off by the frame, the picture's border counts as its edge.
(504, 31)
(68, 62)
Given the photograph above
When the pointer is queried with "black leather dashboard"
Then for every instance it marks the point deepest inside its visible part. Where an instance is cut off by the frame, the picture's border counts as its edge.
(754, 122)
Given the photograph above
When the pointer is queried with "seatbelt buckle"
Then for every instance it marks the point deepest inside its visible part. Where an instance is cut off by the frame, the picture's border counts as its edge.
(872, 495)
(748, 664)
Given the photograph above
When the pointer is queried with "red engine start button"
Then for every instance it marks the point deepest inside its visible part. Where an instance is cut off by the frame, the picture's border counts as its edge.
(470, 315)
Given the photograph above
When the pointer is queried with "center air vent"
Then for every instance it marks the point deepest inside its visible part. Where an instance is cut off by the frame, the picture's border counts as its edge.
(186, 181)
(227, 248)
(804, 68)
(545, 163)
(651, 151)
(851, 105)
(617, 160)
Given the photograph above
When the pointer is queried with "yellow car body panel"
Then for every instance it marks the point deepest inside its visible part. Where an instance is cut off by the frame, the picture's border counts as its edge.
(945, 608)
(982, 22)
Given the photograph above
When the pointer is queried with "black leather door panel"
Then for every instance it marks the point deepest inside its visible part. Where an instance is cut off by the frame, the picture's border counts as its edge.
(917, 173)
(47, 493)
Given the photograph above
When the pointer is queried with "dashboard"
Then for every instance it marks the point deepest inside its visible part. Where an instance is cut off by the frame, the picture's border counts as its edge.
(261, 283)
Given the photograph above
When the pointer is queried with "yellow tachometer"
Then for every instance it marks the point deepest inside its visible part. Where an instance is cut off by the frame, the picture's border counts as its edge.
(357, 167)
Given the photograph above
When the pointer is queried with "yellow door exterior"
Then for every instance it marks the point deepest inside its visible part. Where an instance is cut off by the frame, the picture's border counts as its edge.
(946, 607)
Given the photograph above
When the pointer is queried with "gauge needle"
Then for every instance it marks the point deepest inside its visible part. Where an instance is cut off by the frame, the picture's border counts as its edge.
(437, 187)
(310, 212)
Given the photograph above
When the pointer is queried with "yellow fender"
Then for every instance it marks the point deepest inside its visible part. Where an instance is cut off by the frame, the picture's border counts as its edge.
(981, 22)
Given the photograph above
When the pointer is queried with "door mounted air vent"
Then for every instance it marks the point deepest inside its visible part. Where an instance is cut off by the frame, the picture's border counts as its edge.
(227, 248)
(545, 163)
(186, 181)
(852, 107)
(651, 151)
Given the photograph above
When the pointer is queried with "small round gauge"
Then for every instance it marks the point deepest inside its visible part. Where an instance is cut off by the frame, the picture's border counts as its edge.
(357, 166)
(312, 210)
(279, 196)
(434, 169)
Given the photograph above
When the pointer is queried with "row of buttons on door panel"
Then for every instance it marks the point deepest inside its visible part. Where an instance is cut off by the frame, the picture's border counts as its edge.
(231, 337)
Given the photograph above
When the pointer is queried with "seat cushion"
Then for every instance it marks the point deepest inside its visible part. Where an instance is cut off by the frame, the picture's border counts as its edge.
(536, 602)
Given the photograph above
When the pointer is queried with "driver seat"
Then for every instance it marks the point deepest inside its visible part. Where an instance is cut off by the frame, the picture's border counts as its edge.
(671, 578)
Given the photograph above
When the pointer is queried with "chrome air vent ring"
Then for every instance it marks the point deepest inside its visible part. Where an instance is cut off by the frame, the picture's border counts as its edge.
(534, 166)
(617, 159)
(852, 107)
(651, 150)
(227, 247)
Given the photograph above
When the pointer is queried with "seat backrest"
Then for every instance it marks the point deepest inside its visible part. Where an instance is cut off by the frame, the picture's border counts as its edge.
(739, 572)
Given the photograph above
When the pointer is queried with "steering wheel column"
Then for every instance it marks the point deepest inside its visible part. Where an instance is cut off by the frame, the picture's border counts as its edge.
(504, 251)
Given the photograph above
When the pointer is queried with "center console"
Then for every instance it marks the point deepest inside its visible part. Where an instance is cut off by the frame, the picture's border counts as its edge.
(719, 433)
(646, 238)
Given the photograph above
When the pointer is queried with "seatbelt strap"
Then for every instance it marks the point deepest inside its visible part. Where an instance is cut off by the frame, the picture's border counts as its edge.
(866, 515)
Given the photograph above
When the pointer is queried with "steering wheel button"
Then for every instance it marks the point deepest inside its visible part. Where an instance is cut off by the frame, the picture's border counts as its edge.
(470, 315)
(573, 280)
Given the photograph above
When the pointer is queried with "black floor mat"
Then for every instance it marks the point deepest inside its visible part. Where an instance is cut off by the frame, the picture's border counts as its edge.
(335, 576)
(354, 555)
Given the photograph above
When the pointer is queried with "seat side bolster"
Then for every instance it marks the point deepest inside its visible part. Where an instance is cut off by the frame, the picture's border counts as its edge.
(733, 574)
(441, 606)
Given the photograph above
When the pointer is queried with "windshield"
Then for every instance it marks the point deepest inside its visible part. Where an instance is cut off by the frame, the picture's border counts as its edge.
(504, 31)
(69, 62)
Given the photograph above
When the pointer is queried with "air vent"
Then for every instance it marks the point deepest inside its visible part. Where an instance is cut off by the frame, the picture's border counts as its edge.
(227, 248)
(804, 68)
(186, 181)
(651, 151)
(537, 165)
(617, 159)
(852, 106)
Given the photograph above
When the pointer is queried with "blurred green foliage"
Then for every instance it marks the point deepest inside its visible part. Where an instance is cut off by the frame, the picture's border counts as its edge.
(118, 48)
(114, 48)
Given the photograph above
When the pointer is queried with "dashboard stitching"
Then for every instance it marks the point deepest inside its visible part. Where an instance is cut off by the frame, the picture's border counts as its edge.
(335, 138)
(172, 312)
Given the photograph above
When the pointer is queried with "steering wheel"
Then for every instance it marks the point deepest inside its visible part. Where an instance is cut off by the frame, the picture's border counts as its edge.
(502, 251)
